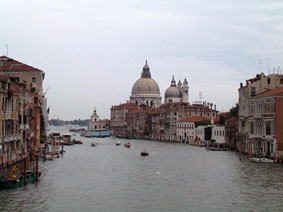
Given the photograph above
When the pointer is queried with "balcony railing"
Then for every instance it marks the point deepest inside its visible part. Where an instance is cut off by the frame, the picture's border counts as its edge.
(9, 138)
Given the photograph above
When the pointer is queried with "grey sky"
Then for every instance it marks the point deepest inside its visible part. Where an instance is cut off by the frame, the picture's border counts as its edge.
(93, 51)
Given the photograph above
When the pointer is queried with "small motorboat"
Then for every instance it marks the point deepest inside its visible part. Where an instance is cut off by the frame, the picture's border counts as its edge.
(128, 145)
(77, 142)
(144, 153)
(118, 143)
(67, 143)
(262, 160)
(93, 144)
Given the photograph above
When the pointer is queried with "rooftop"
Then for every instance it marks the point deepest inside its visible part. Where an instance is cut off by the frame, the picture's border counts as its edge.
(271, 92)
(125, 105)
(10, 65)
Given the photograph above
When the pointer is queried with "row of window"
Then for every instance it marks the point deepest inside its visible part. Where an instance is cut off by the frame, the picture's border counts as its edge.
(219, 133)
(258, 127)
(261, 106)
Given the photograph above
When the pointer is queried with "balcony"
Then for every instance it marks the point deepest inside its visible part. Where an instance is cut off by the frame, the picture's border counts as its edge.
(24, 126)
(9, 138)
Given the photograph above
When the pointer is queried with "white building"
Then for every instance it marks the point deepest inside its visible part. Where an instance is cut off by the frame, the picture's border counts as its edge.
(200, 134)
(187, 131)
(218, 134)
(97, 124)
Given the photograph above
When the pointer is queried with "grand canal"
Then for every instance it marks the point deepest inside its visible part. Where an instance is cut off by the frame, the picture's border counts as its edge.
(175, 177)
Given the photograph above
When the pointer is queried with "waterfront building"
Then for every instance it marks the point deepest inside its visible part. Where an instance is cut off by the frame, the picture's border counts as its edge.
(200, 134)
(17, 123)
(232, 133)
(146, 90)
(218, 134)
(161, 123)
(186, 129)
(251, 109)
(21, 117)
(265, 122)
(118, 123)
(98, 124)
(171, 113)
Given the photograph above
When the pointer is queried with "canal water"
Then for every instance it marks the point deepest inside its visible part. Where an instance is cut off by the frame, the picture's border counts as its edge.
(174, 177)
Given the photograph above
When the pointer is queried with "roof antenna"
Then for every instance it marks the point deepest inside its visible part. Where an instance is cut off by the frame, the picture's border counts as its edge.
(268, 66)
(7, 48)
(260, 65)
(278, 70)
(200, 95)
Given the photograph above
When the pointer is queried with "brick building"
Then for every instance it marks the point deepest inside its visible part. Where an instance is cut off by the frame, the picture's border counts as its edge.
(257, 112)
(118, 123)
(21, 116)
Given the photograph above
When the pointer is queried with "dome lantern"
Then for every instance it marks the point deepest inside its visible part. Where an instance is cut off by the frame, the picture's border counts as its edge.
(146, 71)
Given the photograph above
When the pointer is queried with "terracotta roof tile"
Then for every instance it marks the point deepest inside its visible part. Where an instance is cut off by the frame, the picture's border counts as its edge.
(125, 105)
(7, 64)
(271, 92)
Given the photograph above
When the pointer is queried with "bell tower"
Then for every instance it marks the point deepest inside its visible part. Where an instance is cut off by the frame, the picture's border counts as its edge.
(185, 91)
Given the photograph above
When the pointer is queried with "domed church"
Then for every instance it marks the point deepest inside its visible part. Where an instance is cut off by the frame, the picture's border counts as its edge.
(179, 93)
(146, 90)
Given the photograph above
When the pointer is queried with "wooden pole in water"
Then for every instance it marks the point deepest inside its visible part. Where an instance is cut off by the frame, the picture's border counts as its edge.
(25, 170)
(36, 167)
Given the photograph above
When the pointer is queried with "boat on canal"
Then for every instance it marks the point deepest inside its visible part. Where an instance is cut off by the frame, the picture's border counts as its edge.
(144, 153)
(66, 143)
(77, 141)
(118, 143)
(14, 182)
(93, 144)
(262, 160)
(128, 144)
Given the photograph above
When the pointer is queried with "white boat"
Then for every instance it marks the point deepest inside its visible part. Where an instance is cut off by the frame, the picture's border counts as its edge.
(262, 160)
(93, 143)
(118, 143)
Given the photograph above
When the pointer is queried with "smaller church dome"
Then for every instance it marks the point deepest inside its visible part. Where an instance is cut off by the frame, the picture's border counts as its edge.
(173, 91)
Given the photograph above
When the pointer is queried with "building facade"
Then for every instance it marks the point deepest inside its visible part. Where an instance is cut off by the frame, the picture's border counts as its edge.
(98, 124)
(186, 129)
(118, 123)
(253, 113)
(21, 121)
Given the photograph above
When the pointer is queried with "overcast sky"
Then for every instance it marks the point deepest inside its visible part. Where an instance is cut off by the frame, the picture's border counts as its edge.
(93, 51)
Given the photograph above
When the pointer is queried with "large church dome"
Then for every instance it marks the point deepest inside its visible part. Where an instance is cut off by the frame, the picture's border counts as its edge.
(145, 86)
(146, 90)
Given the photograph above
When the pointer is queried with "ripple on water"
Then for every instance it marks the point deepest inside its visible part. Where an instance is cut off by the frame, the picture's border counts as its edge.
(175, 177)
